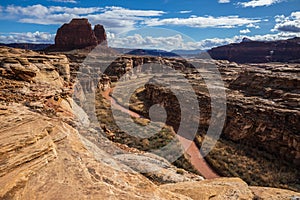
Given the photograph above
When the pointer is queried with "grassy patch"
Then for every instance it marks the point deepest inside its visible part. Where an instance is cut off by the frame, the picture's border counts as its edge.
(256, 167)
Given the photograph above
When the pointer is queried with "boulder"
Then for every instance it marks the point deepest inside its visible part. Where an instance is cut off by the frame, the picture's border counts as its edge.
(217, 189)
(274, 193)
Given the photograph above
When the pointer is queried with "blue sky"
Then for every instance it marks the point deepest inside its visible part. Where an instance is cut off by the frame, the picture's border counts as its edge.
(168, 24)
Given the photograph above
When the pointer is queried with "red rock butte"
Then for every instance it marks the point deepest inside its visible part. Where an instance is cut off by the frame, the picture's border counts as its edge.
(78, 34)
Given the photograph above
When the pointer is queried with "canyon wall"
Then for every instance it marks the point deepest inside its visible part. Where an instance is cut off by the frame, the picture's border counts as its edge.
(262, 107)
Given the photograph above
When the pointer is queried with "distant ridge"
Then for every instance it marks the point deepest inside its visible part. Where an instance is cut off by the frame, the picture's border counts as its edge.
(152, 52)
(259, 51)
(188, 53)
(29, 46)
(245, 39)
(178, 52)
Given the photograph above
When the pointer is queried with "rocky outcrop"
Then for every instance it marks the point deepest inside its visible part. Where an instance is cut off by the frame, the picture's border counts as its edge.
(228, 188)
(218, 189)
(104, 83)
(78, 34)
(42, 155)
(131, 66)
(33, 67)
(273, 193)
(34, 137)
(259, 52)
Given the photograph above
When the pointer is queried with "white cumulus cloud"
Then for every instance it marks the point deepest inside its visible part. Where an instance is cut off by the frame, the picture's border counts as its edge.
(185, 11)
(116, 19)
(29, 37)
(204, 22)
(137, 41)
(259, 3)
(117, 11)
(224, 1)
(64, 1)
(272, 37)
(177, 41)
(253, 26)
(288, 24)
(245, 31)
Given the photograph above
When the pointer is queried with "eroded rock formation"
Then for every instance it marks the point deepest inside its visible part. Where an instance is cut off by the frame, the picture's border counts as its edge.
(100, 34)
(78, 34)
